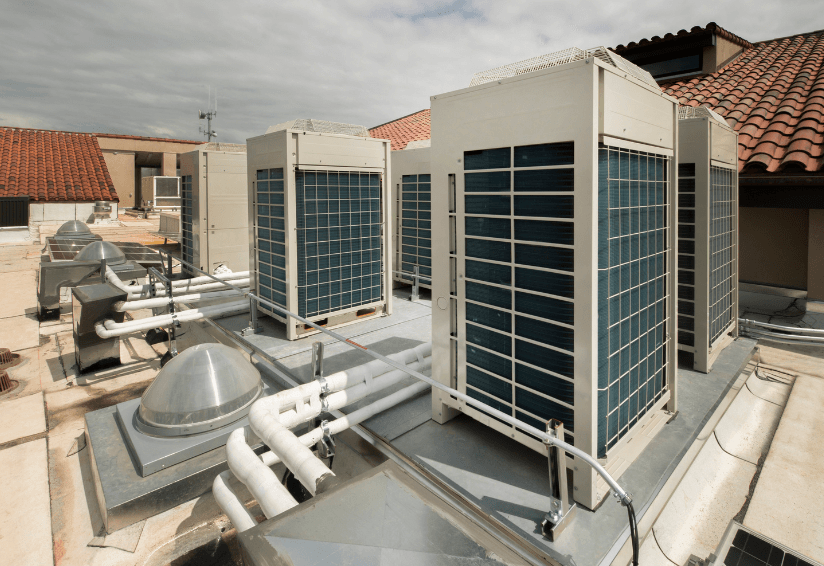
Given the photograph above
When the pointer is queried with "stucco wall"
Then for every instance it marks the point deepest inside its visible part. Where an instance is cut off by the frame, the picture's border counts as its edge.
(774, 246)
(59, 212)
(121, 168)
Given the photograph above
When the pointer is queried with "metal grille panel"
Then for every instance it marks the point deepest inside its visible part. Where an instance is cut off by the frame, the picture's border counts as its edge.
(518, 290)
(187, 238)
(416, 225)
(687, 112)
(562, 58)
(686, 253)
(632, 288)
(270, 236)
(722, 250)
(340, 263)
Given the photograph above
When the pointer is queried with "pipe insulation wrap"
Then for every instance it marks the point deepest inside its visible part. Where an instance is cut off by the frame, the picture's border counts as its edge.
(110, 329)
(261, 481)
(789, 329)
(164, 301)
(228, 500)
(244, 283)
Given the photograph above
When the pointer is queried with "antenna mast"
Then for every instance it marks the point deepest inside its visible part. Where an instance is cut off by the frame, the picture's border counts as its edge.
(208, 132)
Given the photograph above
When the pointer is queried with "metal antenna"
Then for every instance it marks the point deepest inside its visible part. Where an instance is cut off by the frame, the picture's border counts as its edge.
(208, 132)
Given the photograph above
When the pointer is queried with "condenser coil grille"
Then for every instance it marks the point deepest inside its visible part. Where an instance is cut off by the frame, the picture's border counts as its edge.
(518, 267)
(722, 250)
(562, 58)
(416, 225)
(338, 240)
(632, 288)
(187, 243)
(686, 253)
(271, 236)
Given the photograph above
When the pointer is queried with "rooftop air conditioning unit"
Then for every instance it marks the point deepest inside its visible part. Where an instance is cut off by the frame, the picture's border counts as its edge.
(553, 202)
(320, 215)
(707, 234)
(160, 193)
(413, 214)
(215, 211)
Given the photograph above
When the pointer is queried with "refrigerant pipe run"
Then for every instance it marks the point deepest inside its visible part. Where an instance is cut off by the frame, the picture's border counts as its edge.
(299, 405)
(110, 328)
(164, 301)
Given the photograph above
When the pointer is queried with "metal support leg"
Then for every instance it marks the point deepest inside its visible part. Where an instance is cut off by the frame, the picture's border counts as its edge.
(253, 327)
(415, 281)
(317, 360)
(561, 512)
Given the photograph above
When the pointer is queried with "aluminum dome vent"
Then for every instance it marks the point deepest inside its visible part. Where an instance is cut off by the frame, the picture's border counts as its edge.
(204, 388)
(75, 230)
(97, 251)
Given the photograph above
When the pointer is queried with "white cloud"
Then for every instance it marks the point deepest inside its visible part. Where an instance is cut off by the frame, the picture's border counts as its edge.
(144, 69)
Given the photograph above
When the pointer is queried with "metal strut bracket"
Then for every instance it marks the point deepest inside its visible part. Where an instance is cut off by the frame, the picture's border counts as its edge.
(253, 327)
(561, 512)
(326, 445)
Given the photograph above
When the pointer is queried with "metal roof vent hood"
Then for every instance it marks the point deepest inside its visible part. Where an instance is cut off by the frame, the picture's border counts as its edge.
(75, 230)
(97, 251)
(204, 388)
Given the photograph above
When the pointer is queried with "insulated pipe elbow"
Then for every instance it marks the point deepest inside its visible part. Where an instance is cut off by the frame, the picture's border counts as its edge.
(262, 482)
(230, 503)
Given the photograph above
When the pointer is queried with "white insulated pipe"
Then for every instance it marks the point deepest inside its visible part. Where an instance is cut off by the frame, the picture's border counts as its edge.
(261, 481)
(140, 291)
(164, 301)
(110, 328)
(301, 404)
(230, 503)
(256, 470)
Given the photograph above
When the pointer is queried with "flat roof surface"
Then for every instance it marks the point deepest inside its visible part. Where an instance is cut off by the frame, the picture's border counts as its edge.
(501, 476)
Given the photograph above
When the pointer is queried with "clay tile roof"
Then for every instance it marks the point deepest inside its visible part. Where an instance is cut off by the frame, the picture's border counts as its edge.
(414, 127)
(51, 166)
(711, 27)
(773, 95)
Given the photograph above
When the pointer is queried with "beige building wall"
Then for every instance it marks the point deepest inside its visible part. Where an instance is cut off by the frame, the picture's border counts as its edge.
(774, 246)
(122, 170)
(815, 256)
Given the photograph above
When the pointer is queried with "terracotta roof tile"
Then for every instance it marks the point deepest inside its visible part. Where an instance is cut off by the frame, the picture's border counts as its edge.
(711, 27)
(773, 94)
(52, 166)
(414, 127)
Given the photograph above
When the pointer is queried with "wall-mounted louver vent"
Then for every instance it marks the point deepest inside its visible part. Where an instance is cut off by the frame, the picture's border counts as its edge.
(708, 235)
(319, 206)
(555, 296)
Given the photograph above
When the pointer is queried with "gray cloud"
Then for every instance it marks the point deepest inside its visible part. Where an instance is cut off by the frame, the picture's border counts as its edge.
(144, 68)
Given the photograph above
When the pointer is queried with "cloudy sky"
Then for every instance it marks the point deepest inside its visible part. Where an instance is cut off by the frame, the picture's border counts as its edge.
(144, 68)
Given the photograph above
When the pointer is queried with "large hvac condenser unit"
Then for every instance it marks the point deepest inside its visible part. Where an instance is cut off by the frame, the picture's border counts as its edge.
(320, 217)
(160, 193)
(553, 206)
(707, 234)
(412, 205)
(215, 210)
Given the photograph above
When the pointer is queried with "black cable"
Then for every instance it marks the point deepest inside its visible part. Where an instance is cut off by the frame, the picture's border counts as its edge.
(633, 532)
